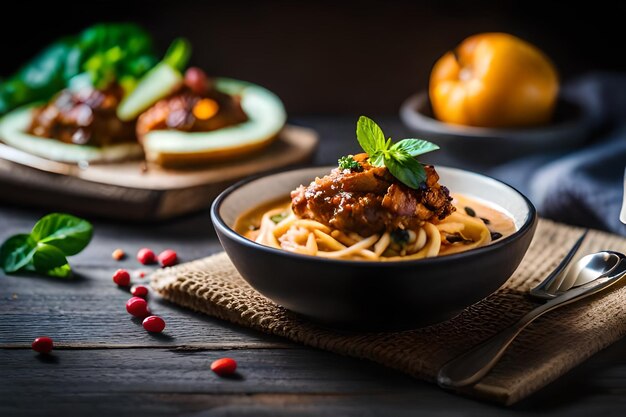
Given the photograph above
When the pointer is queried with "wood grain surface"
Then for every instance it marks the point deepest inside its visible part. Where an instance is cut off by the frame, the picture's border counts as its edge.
(106, 364)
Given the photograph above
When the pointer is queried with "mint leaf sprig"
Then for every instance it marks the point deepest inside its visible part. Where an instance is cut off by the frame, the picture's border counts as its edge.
(399, 157)
(45, 248)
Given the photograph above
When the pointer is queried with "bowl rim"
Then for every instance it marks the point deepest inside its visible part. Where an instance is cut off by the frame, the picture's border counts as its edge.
(418, 120)
(218, 222)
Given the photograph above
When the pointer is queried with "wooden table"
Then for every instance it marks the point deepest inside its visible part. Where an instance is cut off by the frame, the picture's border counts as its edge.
(107, 365)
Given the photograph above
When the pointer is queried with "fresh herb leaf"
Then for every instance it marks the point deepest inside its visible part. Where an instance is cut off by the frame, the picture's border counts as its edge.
(370, 135)
(17, 252)
(406, 169)
(348, 162)
(414, 147)
(47, 258)
(68, 233)
(62, 271)
(377, 159)
(277, 218)
(399, 158)
(45, 249)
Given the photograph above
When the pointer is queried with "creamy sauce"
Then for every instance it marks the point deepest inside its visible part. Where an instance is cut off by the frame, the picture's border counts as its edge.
(251, 220)
(498, 222)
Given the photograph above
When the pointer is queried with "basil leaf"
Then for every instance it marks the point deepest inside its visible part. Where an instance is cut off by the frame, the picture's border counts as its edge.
(370, 136)
(68, 233)
(16, 252)
(377, 159)
(405, 168)
(48, 258)
(62, 271)
(414, 147)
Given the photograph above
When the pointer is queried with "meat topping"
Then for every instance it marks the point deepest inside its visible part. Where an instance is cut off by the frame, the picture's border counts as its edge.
(371, 201)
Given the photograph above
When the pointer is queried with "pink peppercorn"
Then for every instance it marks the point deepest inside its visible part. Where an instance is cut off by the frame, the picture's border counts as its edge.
(224, 366)
(43, 345)
(121, 277)
(138, 307)
(154, 324)
(168, 258)
(139, 291)
(146, 256)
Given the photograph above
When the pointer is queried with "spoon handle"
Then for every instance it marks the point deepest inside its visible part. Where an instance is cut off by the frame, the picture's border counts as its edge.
(473, 365)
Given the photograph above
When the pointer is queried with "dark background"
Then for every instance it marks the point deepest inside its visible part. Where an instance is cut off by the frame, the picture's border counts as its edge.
(336, 57)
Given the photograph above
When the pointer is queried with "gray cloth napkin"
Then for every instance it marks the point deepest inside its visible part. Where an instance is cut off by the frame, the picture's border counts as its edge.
(584, 187)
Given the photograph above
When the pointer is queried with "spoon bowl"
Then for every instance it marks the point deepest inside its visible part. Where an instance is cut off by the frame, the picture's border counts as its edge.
(585, 270)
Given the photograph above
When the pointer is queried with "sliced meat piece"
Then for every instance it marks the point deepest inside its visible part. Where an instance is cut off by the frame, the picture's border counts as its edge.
(372, 200)
(189, 111)
(86, 117)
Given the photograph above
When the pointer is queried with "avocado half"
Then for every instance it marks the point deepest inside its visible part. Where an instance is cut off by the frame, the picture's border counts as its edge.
(266, 117)
(13, 127)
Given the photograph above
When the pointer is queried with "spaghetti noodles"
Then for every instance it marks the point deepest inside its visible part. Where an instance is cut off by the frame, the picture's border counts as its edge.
(281, 228)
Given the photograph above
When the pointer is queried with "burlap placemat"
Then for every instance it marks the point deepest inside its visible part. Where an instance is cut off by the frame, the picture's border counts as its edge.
(547, 349)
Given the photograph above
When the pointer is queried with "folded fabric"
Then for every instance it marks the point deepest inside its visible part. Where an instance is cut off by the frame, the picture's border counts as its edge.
(583, 187)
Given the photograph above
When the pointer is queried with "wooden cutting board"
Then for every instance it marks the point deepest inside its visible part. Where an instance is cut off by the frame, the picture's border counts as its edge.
(133, 190)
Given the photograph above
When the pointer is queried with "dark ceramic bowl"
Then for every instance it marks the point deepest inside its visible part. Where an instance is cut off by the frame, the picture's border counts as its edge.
(489, 146)
(373, 295)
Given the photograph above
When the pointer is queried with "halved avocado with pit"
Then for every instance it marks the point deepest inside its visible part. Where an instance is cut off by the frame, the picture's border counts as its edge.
(266, 117)
(13, 132)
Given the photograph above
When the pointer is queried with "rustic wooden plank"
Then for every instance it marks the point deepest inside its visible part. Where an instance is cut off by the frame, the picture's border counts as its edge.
(90, 311)
(272, 383)
(127, 371)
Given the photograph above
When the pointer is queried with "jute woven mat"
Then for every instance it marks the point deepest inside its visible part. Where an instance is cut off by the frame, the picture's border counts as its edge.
(546, 350)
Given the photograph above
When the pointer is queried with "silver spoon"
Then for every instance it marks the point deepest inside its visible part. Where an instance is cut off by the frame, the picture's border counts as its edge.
(596, 272)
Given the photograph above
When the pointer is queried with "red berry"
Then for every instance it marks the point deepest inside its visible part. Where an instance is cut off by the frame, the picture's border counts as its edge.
(146, 256)
(139, 291)
(154, 324)
(224, 366)
(138, 307)
(197, 80)
(121, 277)
(168, 258)
(42, 344)
(141, 274)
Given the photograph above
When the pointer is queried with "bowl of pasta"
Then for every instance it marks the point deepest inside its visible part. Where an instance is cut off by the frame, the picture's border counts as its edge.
(378, 242)
(350, 282)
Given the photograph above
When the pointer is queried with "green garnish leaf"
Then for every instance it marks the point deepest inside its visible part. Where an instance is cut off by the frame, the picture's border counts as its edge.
(44, 250)
(399, 158)
(277, 218)
(370, 135)
(48, 258)
(348, 162)
(414, 147)
(16, 252)
(378, 159)
(406, 169)
(68, 233)
(62, 271)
